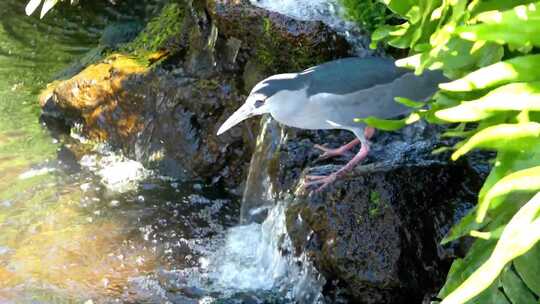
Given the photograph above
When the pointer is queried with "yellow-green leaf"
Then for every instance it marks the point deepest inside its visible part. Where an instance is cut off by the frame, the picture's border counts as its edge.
(410, 103)
(508, 137)
(511, 97)
(519, 69)
(463, 268)
(32, 6)
(527, 180)
(467, 224)
(520, 25)
(520, 235)
(399, 6)
(388, 124)
(490, 5)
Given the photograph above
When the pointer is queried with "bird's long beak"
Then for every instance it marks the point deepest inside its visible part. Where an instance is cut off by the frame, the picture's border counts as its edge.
(244, 112)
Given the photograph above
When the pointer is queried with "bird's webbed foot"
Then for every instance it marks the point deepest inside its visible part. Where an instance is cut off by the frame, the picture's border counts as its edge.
(322, 180)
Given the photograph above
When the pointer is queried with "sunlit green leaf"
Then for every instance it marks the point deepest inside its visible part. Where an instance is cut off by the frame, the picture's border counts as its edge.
(399, 6)
(463, 228)
(527, 180)
(519, 69)
(491, 5)
(520, 235)
(500, 102)
(382, 32)
(463, 268)
(410, 103)
(491, 295)
(523, 96)
(32, 6)
(508, 137)
(488, 235)
(414, 15)
(499, 217)
(388, 124)
(47, 6)
(520, 25)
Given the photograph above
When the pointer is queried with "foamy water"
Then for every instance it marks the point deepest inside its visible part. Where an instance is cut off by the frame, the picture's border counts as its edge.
(117, 172)
(327, 11)
(259, 257)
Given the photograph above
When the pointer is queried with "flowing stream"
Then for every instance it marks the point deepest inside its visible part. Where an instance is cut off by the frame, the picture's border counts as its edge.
(72, 229)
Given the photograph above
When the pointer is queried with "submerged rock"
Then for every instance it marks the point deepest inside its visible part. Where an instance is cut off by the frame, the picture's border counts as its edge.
(375, 234)
(184, 74)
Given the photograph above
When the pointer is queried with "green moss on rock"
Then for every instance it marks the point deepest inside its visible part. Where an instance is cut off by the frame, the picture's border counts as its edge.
(375, 204)
(162, 32)
(278, 53)
(275, 43)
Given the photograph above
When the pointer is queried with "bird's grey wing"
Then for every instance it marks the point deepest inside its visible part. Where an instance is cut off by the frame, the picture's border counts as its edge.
(378, 100)
(349, 75)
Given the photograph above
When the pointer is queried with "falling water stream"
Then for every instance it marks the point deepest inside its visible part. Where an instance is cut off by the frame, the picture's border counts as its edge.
(80, 223)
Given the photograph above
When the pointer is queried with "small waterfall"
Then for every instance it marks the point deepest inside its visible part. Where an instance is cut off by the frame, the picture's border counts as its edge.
(329, 12)
(259, 256)
(258, 196)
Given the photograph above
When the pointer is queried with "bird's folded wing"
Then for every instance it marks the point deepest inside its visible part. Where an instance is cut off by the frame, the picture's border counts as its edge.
(349, 75)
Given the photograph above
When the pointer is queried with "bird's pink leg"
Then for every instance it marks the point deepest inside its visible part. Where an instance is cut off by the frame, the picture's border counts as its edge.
(324, 181)
(369, 132)
(328, 153)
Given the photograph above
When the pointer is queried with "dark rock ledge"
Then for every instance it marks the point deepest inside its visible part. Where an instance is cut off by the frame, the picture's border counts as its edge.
(375, 234)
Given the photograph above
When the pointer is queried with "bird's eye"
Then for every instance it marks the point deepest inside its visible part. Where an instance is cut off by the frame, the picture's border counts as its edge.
(259, 103)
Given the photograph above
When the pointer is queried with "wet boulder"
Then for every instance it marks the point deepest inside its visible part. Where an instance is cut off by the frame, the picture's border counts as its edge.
(161, 97)
(374, 235)
(274, 43)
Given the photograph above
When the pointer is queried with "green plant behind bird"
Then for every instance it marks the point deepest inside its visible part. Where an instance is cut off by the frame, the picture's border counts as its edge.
(489, 49)
(369, 14)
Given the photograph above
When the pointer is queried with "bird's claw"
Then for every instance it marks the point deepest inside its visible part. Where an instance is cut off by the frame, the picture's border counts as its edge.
(322, 180)
(329, 153)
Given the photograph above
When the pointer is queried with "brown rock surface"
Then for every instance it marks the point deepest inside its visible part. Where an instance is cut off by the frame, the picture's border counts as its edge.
(165, 112)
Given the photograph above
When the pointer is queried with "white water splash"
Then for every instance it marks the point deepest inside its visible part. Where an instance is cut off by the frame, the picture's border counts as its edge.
(329, 12)
(258, 257)
(117, 173)
(307, 10)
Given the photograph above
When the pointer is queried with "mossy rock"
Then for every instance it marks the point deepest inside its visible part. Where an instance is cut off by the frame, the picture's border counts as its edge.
(162, 32)
(277, 42)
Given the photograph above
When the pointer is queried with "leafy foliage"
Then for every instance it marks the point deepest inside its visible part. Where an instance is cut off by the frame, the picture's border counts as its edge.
(489, 48)
(369, 14)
